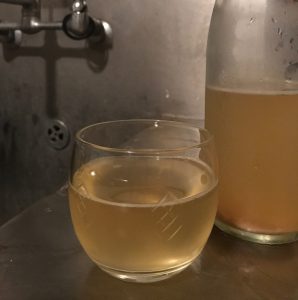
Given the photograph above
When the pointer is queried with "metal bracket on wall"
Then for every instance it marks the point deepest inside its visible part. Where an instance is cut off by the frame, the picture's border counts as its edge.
(77, 25)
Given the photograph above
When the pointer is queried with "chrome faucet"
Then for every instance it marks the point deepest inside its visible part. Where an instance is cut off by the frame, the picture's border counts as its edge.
(30, 15)
(79, 19)
(76, 25)
(20, 2)
(24, 3)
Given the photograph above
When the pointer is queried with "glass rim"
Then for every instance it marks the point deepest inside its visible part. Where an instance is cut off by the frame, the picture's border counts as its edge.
(180, 124)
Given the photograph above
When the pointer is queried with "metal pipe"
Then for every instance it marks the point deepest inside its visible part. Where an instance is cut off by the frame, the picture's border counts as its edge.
(79, 20)
(49, 26)
(77, 25)
(9, 26)
(35, 26)
(21, 2)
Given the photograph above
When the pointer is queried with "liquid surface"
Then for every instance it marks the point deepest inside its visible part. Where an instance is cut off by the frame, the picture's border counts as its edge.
(143, 214)
(257, 141)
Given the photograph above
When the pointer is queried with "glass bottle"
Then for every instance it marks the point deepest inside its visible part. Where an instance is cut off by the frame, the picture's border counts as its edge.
(252, 110)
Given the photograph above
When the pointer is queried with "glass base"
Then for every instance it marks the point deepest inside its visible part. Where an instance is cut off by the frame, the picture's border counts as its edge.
(143, 277)
(260, 238)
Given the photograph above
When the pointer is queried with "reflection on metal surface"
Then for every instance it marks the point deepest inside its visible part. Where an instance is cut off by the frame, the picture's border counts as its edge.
(39, 251)
(270, 239)
(81, 84)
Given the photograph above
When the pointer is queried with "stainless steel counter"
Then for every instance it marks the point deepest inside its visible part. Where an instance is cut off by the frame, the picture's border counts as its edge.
(40, 258)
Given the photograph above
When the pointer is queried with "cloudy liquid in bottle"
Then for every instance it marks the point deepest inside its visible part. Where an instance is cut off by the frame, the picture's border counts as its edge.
(257, 142)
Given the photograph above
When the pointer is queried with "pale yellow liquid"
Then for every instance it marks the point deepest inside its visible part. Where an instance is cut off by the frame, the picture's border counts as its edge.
(257, 142)
(143, 214)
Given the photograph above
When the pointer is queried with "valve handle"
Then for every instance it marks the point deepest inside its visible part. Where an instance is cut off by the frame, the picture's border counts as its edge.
(78, 36)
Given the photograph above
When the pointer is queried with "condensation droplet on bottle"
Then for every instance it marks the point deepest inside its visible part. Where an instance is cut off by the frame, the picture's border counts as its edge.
(291, 71)
(167, 94)
(273, 20)
(219, 2)
(48, 210)
(279, 46)
(252, 20)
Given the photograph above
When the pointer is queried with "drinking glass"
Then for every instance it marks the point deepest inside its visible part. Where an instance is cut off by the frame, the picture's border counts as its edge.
(142, 196)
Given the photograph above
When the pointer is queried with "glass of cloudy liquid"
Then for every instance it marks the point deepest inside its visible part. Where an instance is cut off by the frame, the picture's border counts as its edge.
(143, 196)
